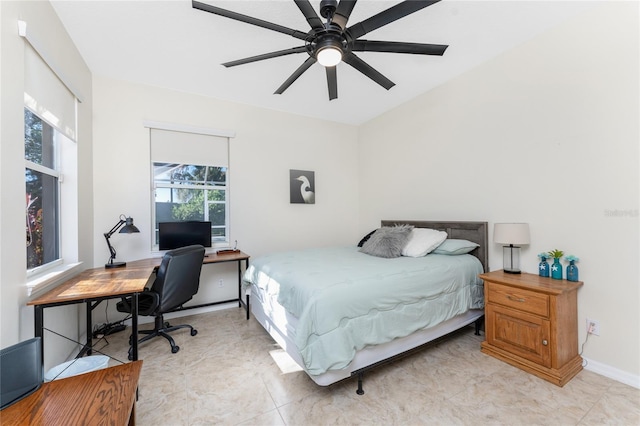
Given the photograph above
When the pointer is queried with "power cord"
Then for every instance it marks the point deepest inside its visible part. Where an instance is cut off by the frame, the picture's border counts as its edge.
(586, 339)
(109, 328)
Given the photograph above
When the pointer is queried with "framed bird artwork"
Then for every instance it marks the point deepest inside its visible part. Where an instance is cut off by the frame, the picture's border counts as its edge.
(302, 187)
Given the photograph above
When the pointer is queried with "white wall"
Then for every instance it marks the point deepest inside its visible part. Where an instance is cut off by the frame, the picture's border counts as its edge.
(267, 145)
(546, 134)
(16, 319)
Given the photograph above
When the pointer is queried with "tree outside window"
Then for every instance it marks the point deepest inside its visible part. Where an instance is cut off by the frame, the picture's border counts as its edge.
(41, 184)
(186, 192)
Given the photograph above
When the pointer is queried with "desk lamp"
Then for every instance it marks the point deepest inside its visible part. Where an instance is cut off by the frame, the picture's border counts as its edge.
(128, 228)
(511, 234)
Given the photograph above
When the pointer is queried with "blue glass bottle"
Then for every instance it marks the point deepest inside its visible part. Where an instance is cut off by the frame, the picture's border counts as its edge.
(543, 267)
(556, 269)
(572, 271)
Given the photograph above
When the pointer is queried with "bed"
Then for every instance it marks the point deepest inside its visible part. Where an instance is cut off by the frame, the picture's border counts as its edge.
(339, 312)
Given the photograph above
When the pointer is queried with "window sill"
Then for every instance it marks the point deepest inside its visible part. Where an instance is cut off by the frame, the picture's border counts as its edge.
(52, 277)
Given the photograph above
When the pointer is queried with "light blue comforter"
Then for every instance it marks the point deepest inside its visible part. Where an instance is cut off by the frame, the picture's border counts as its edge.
(346, 300)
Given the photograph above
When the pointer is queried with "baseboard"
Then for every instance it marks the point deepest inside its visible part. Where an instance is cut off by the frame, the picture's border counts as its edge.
(612, 373)
(187, 312)
(202, 310)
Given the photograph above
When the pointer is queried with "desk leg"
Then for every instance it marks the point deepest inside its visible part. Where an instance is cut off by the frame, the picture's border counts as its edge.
(38, 321)
(247, 296)
(134, 327)
(246, 266)
(89, 344)
(239, 283)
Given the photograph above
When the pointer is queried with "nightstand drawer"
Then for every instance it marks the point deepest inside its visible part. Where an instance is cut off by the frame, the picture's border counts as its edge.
(522, 300)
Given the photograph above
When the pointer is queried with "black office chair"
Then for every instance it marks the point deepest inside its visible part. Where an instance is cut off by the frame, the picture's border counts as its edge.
(177, 280)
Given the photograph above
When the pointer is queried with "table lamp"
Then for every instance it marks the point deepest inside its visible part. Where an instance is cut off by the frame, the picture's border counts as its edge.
(511, 234)
(128, 228)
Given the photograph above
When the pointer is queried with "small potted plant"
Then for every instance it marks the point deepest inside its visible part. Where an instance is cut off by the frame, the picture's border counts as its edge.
(556, 268)
(572, 269)
(543, 266)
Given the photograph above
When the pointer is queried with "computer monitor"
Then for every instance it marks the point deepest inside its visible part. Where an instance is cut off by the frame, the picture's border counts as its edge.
(173, 235)
(21, 370)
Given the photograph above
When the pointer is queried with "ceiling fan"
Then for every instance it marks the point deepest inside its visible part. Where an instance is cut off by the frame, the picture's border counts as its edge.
(329, 42)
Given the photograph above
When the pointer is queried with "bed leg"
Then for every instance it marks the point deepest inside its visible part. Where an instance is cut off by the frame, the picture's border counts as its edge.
(360, 391)
(478, 325)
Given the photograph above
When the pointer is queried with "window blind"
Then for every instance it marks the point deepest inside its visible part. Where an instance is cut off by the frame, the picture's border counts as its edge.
(168, 146)
(46, 95)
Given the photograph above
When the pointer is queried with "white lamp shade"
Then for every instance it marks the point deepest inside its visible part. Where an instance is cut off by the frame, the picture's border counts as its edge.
(511, 233)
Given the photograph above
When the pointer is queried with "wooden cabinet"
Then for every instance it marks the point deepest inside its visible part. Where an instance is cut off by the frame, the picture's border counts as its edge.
(532, 324)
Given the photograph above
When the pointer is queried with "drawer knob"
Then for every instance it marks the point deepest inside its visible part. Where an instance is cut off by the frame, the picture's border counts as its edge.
(545, 343)
(515, 299)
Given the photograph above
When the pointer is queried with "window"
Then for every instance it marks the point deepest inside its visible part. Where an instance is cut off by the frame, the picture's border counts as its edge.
(42, 179)
(51, 164)
(191, 192)
(190, 178)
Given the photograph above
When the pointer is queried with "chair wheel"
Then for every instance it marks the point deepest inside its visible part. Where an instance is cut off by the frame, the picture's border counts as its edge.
(130, 357)
(166, 324)
(175, 349)
(130, 340)
(194, 332)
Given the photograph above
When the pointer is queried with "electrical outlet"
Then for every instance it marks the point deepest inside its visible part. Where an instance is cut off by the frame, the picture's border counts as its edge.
(220, 283)
(593, 327)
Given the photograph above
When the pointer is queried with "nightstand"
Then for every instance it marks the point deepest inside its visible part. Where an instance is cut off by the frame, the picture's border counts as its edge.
(531, 323)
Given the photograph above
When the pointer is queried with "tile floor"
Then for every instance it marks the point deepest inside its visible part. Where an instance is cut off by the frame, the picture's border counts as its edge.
(233, 373)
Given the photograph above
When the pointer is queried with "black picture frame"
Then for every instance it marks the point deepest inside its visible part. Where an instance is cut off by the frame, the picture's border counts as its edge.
(302, 187)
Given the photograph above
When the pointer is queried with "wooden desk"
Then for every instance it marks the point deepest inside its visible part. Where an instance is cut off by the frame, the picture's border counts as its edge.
(223, 258)
(92, 286)
(105, 397)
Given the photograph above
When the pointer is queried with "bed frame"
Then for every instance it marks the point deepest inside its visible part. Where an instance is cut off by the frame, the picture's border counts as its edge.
(371, 357)
(472, 231)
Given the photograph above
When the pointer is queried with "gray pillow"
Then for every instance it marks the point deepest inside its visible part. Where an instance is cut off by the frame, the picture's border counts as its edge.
(387, 241)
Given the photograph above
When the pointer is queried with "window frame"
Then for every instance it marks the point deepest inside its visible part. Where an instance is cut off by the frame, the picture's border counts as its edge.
(215, 243)
(47, 87)
(185, 128)
(58, 176)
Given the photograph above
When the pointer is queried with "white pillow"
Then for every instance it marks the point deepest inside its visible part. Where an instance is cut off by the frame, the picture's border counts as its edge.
(422, 241)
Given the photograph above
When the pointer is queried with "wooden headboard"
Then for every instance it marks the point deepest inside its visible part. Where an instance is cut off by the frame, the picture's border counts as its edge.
(472, 231)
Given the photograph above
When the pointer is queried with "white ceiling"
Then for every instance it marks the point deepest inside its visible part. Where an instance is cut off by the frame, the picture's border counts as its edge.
(171, 45)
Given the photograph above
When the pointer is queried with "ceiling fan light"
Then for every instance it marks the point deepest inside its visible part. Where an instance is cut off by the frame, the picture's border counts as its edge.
(329, 56)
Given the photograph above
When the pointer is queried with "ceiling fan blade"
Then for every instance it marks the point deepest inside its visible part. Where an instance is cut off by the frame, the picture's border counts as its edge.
(297, 73)
(398, 47)
(310, 14)
(368, 70)
(387, 16)
(265, 56)
(248, 19)
(342, 13)
(332, 82)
